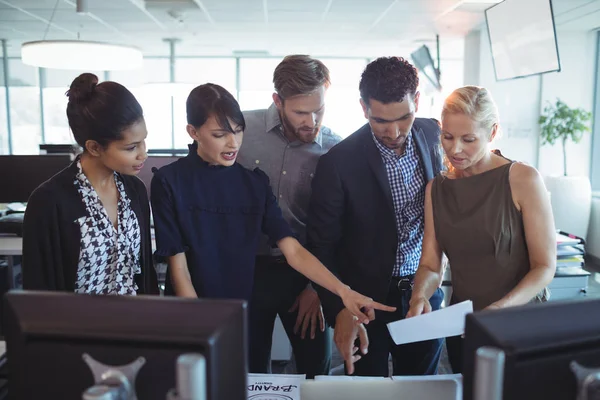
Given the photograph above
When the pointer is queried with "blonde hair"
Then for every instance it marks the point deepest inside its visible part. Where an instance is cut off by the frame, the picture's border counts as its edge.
(300, 74)
(476, 103)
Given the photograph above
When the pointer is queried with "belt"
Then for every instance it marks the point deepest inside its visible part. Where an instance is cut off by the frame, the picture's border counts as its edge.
(403, 282)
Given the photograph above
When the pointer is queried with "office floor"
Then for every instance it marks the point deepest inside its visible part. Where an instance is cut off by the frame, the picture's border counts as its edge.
(444, 366)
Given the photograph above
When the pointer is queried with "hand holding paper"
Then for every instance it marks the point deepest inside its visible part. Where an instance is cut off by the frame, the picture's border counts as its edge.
(449, 321)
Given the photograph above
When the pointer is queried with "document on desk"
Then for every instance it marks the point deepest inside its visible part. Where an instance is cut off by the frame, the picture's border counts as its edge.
(270, 386)
(448, 321)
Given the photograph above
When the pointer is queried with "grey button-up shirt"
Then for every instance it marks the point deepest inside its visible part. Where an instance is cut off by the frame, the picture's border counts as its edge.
(289, 165)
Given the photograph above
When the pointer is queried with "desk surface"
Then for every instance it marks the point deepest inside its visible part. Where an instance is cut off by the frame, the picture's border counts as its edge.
(11, 245)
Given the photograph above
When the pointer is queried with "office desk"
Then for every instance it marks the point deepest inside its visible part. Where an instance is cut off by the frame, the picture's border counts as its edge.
(11, 246)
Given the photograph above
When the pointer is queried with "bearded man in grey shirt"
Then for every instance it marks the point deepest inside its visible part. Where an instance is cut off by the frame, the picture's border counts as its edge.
(286, 141)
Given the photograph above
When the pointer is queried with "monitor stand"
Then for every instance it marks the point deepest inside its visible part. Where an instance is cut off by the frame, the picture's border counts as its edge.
(191, 378)
(489, 374)
(588, 381)
(112, 382)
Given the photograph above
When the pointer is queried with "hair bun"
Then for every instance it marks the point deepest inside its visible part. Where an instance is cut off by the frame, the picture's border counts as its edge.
(82, 87)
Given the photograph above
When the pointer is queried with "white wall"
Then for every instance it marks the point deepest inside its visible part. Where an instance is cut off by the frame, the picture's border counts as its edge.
(593, 237)
(521, 101)
(518, 101)
(574, 85)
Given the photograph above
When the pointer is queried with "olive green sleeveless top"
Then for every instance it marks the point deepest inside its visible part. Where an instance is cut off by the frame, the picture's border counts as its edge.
(481, 232)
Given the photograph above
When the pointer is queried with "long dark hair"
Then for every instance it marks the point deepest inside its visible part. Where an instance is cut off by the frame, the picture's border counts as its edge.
(100, 112)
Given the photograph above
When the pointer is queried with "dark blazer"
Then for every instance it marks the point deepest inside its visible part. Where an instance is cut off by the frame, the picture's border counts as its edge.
(51, 234)
(351, 220)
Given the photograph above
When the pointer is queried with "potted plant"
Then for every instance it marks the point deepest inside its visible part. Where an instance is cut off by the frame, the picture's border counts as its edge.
(571, 195)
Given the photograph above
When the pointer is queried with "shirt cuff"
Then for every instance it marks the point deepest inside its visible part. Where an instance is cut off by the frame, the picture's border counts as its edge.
(171, 251)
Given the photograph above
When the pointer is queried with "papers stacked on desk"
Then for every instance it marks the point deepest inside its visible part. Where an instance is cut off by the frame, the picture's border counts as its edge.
(570, 250)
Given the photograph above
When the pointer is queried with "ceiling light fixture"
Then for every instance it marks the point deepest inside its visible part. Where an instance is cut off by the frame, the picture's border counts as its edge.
(81, 55)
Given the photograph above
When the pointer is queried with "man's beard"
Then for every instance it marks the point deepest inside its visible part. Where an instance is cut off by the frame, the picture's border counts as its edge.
(300, 134)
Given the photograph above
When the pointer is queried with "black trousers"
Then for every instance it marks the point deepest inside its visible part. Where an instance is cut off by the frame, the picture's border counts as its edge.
(276, 287)
(419, 358)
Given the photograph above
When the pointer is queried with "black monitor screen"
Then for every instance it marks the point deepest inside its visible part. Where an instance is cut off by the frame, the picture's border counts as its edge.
(49, 334)
(21, 175)
(539, 342)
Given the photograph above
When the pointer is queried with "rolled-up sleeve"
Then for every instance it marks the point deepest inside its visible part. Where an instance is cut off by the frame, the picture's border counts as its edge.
(273, 223)
(169, 240)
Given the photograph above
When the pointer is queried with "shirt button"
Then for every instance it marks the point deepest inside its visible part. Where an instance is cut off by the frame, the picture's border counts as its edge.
(284, 172)
(311, 175)
(280, 196)
(257, 161)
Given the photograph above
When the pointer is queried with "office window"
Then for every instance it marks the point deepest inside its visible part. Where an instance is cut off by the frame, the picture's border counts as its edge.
(343, 113)
(148, 86)
(154, 70)
(256, 82)
(3, 120)
(3, 123)
(431, 101)
(24, 107)
(595, 173)
(56, 125)
(191, 72)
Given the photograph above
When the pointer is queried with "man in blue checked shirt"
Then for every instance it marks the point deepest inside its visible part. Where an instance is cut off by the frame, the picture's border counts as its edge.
(366, 218)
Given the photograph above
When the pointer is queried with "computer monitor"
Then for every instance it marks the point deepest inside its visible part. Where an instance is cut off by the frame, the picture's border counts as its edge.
(21, 175)
(424, 63)
(49, 333)
(60, 148)
(523, 38)
(539, 342)
(154, 161)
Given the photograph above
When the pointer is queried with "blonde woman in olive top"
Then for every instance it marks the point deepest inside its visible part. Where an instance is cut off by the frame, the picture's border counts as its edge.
(491, 217)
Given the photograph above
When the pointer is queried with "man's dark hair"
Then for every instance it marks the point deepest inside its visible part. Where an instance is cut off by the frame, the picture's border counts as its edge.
(388, 80)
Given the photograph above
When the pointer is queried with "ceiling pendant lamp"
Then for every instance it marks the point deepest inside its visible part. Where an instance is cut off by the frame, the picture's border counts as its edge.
(80, 54)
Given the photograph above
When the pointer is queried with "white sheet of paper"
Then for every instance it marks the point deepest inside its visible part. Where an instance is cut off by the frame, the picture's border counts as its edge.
(271, 386)
(449, 321)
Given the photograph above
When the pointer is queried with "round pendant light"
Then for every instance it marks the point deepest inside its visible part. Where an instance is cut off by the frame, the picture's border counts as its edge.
(81, 55)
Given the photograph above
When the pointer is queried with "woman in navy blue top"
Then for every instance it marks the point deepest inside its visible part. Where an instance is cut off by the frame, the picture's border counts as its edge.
(209, 212)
